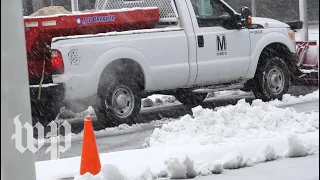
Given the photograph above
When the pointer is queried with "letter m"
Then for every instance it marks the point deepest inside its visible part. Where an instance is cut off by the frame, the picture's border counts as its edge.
(221, 43)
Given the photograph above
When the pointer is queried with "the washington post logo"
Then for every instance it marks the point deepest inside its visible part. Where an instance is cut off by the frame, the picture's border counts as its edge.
(54, 148)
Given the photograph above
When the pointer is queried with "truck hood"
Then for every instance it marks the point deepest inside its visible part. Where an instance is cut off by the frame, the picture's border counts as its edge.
(269, 23)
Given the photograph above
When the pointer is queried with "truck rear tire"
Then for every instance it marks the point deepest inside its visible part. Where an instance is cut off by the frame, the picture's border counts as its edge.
(119, 102)
(190, 98)
(272, 79)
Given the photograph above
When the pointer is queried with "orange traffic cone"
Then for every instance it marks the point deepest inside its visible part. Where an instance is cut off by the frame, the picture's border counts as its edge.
(90, 161)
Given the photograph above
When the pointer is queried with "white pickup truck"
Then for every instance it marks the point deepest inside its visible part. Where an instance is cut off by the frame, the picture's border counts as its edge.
(211, 48)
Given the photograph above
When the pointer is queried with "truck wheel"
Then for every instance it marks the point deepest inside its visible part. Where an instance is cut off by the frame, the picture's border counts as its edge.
(190, 98)
(120, 102)
(272, 79)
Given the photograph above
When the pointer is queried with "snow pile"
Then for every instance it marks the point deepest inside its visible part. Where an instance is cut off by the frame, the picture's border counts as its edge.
(233, 123)
(68, 114)
(88, 112)
(108, 172)
(289, 99)
(227, 93)
(176, 169)
(147, 175)
(112, 172)
(147, 103)
(269, 153)
(232, 160)
(163, 163)
(296, 147)
(57, 10)
(216, 168)
(158, 100)
(50, 10)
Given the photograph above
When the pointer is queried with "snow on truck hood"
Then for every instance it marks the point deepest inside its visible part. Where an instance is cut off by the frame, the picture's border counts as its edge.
(271, 23)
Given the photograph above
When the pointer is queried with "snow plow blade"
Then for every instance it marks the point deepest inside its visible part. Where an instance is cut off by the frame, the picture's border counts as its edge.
(308, 62)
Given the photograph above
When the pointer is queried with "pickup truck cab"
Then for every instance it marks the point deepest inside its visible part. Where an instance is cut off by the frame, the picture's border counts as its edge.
(210, 47)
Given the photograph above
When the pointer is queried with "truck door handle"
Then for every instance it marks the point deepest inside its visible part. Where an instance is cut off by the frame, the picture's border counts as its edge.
(200, 41)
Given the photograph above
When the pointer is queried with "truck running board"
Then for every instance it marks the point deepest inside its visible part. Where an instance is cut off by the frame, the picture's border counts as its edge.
(219, 88)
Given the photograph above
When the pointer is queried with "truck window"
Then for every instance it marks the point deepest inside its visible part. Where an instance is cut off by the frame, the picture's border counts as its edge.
(210, 13)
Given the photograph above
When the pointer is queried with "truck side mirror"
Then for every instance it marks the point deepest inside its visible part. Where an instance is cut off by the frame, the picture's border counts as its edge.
(245, 12)
(246, 15)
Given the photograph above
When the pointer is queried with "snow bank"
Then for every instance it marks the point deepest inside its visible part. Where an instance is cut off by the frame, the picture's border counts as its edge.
(296, 147)
(289, 99)
(176, 169)
(216, 168)
(147, 103)
(108, 172)
(233, 123)
(158, 100)
(269, 153)
(112, 172)
(232, 160)
(149, 163)
(148, 175)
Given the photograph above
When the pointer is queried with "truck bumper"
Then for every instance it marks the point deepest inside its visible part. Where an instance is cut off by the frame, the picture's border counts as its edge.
(48, 106)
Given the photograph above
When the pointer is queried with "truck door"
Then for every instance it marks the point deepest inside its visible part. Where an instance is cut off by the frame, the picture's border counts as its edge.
(222, 50)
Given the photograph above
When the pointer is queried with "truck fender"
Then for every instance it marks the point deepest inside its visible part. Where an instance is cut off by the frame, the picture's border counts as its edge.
(267, 39)
(116, 53)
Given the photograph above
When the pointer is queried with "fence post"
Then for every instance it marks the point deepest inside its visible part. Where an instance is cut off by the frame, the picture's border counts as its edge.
(254, 8)
(15, 97)
(303, 11)
(74, 5)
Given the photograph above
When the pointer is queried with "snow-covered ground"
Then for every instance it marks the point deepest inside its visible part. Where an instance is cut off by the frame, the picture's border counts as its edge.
(287, 100)
(209, 142)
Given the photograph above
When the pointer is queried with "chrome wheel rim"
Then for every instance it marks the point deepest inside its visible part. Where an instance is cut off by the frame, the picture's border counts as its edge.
(276, 80)
(122, 102)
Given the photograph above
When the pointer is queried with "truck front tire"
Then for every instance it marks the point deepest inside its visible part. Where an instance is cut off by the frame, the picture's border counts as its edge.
(119, 102)
(189, 98)
(272, 79)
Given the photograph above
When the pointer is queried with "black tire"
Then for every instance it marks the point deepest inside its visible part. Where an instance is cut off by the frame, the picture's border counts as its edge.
(272, 79)
(105, 110)
(189, 98)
